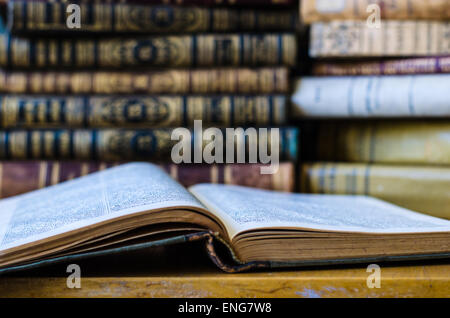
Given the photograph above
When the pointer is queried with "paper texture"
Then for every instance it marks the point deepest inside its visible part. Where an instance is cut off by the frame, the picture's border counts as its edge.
(88, 200)
(246, 208)
(326, 10)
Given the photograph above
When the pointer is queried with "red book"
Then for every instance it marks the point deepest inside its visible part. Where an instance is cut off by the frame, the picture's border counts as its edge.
(17, 177)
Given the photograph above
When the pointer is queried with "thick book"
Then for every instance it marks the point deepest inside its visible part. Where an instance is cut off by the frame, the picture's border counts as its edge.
(143, 111)
(38, 17)
(386, 142)
(247, 146)
(245, 49)
(372, 96)
(392, 66)
(328, 10)
(17, 177)
(419, 188)
(167, 81)
(137, 206)
(339, 39)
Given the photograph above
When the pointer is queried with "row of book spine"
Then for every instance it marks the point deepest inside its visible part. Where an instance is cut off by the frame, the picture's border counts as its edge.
(78, 100)
(376, 102)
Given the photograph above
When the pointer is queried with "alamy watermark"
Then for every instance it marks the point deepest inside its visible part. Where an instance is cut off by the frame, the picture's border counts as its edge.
(374, 19)
(240, 146)
(374, 279)
(74, 279)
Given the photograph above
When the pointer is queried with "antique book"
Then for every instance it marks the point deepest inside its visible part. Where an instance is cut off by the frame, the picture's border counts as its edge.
(268, 49)
(37, 16)
(141, 111)
(387, 142)
(138, 205)
(167, 81)
(327, 10)
(147, 144)
(400, 66)
(419, 188)
(157, 276)
(393, 38)
(17, 177)
(372, 96)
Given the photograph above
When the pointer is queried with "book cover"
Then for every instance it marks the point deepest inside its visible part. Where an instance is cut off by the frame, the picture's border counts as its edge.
(141, 111)
(163, 81)
(384, 142)
(416, 187)
(327, 10)
(17, 177)
(268, 49)
(137, 206)
(131, 144)
(43, 17)
(401, 66)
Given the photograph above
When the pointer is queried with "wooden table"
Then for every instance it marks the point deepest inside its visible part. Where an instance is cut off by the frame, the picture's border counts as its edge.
(195, 276)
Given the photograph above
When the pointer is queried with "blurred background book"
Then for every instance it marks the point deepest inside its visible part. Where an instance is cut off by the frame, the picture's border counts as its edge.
(359, 92)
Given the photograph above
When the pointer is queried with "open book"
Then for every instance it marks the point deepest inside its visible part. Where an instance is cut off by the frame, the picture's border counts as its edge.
(137, 206)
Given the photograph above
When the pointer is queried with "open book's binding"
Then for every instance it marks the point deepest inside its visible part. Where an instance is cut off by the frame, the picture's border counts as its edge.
(211, 240)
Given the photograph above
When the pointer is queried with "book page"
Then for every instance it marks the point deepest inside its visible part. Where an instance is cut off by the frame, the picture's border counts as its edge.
(100, 196)
(243, 209)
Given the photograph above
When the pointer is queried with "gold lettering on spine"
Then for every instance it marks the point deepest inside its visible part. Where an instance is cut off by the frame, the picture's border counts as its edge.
(53, 52)
(41, 53)
(67, 58)
(20, 53)
(74, 111)
(18, 144)
(36, 149)
(49, 139)
(85, 53)
(10, 111)
(17, 15)
(83, 144)
(64, 144)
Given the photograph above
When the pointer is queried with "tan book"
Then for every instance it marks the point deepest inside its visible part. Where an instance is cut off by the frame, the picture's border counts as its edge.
(393, 38)
(423, 189)
(423, 142)
(137, 206)
(327, 10)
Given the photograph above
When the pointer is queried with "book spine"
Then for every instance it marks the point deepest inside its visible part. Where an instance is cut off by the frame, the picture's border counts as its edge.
(422, 189)
(37, 16)
(393, 38)
(322, 11)
(387, 143)
(372, 96)
(119, 144)
(24, 176)
(425, 65)
(25, 111)
(170, 51)
(206, 81)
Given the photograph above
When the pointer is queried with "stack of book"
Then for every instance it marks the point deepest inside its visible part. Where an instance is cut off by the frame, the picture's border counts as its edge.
(381, 73)
(87, 85)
